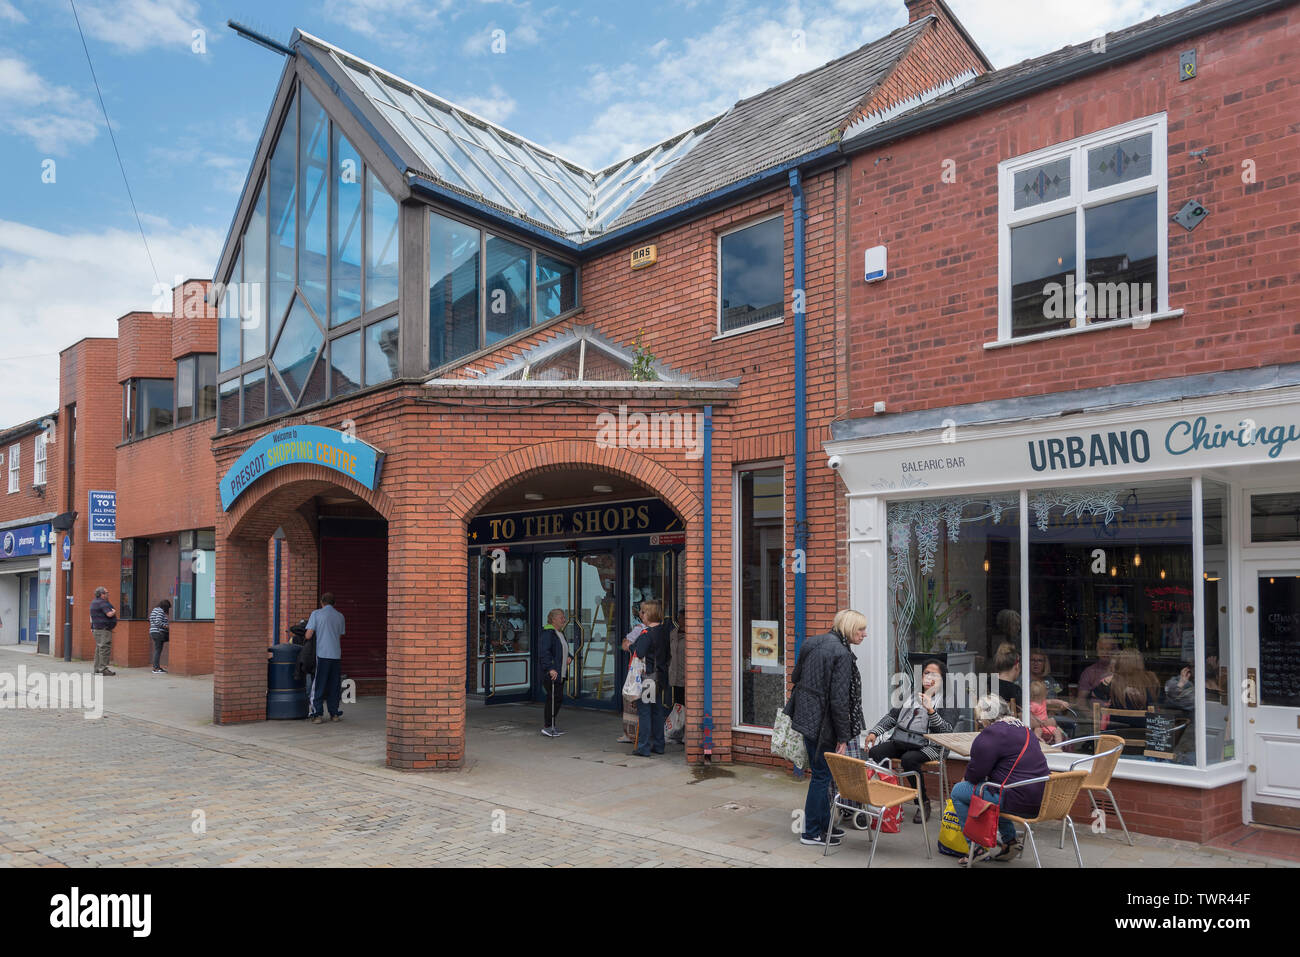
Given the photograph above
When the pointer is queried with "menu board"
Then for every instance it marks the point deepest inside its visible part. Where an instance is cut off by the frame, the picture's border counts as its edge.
(1279, 642)
(1160, 736)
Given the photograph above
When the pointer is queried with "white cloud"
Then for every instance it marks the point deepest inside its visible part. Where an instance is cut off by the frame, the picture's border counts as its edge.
(392, 21)
(133, 26)
(9, 12)
(54, 117)
(62, 287)
(497, 105)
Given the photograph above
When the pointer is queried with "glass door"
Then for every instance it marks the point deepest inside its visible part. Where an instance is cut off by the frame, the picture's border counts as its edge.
(1272, 599)
(584, 586)
(503, 647)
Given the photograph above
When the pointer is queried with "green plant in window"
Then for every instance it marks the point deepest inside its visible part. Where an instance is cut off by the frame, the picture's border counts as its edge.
(933, 614)
(642, 361)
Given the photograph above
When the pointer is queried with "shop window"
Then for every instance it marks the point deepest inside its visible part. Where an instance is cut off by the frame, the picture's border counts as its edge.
(134, 599)
(1083, 238)
(147, 408)
(42, 440)
(196, 388)
(345, 364)
(508, 267)
(382, 243)
(954, 595)
(43, 601)
(196, 597)
(453, 290)
(557, 287)
(14, 454)
(313, 203)
(282, 189)
(381, 351)
(252, 290)
(1275, 517)
(228, 405)
(752, 274)
(1213, 672)
(345, 214)
(185, 390)
(760, 505)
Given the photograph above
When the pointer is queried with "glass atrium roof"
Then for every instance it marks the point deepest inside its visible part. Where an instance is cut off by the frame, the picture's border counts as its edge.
(489, 163)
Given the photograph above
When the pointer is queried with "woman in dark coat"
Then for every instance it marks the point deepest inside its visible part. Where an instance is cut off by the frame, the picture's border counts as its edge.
(826, 708)
(652, 647)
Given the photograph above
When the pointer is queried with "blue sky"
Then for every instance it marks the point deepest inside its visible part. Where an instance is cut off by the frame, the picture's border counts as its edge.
(592, 80)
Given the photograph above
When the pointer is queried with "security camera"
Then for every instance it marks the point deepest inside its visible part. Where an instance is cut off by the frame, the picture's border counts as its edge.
(834, 462)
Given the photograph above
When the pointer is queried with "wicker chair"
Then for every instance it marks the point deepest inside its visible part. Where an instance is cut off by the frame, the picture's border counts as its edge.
(1107, 753)
(1060, 788)
(873, 794)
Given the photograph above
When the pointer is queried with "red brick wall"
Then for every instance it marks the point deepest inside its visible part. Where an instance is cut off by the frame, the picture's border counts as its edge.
(26, 502)
(194, 324)
(916, 339)
(88, 378)
(144, 347)
(163, 482)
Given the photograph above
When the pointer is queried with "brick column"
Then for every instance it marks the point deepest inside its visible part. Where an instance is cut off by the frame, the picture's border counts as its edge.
(240, 639)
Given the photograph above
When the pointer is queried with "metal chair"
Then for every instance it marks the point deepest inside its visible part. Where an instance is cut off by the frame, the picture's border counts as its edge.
(1106, 755)
(853, 783)
(1060, 788)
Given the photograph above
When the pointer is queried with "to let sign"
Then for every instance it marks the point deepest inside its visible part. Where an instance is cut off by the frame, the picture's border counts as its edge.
(103, 517)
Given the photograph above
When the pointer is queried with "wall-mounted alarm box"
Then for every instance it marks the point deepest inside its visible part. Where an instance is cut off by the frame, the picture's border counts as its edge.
(875, 264)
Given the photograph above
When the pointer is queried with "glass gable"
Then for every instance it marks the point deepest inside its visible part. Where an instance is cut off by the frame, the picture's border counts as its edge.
(283, 189)
(313, 204)
(299, 344)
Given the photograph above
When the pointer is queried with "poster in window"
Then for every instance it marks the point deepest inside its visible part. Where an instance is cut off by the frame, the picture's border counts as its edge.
(1113, 618)
(765, 646)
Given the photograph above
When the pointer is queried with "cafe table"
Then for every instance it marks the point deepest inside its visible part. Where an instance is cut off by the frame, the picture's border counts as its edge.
(959, 743)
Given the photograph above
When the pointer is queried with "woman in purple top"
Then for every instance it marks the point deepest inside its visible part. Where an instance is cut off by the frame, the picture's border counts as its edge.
(1000, 755)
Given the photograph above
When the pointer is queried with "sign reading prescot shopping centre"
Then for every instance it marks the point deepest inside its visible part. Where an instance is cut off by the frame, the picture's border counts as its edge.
(310, 444)
(1114, 443)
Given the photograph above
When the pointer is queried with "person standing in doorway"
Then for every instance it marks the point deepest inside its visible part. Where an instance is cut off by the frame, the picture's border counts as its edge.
(553, 659)
(677, 670)
(159, 632)
(103, 619)
(327, 626)
(652, 646)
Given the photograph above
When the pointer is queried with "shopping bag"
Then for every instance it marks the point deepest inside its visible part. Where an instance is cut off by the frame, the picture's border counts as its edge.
(787, 742)
(635, 673)
(675, 723)
(892, 818)
(951, 841)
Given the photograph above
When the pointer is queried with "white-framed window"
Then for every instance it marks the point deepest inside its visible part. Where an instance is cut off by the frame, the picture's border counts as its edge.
(38, 477)
(1082, 232)
(13, 467)
(758, 548)
(751, 275)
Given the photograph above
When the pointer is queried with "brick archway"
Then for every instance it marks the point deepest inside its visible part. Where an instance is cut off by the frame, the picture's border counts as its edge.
(522, 464)
(258, 511)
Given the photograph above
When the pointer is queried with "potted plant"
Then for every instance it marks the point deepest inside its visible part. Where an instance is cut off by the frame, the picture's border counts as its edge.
(933, 614)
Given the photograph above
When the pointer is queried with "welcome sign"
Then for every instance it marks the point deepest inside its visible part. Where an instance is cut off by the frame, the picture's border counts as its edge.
(1195, 436)
(302, 444)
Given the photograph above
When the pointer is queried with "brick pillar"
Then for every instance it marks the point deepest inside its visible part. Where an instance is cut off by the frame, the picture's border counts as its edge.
(426, 641)
(240, 633)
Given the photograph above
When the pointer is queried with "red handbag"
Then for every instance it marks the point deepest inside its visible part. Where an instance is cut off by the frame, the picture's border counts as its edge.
(981, 825)
(891, 818)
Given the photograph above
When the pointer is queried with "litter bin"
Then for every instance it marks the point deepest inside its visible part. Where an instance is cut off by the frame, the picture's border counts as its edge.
(286, 696)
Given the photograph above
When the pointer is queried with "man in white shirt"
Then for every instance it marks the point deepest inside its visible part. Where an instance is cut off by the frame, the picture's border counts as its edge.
(327, 626)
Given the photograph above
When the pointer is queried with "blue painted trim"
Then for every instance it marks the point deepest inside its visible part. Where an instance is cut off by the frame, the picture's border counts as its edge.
(707, 617)
(800, 415)
(275, 626)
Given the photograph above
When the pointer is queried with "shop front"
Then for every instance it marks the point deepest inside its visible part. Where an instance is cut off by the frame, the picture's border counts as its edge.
(596, 562)
(1142, 562)
(25, 569)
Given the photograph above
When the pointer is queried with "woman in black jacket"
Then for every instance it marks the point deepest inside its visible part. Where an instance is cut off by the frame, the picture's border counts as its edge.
(918, 715)
(826, 708)
(652, 647)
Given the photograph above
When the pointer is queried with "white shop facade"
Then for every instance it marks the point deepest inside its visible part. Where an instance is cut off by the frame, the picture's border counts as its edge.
(1160, 539)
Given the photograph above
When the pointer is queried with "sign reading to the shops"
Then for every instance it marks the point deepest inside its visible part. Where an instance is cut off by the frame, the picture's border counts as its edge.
(103, 517)
(640, 517)
(306, 444)
(26, 541)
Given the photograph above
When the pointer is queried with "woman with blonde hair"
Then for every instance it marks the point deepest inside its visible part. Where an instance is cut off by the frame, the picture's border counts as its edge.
(826, 708)
(1128, 687)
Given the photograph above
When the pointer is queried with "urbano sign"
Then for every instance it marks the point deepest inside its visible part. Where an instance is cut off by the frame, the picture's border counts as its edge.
(302, 444)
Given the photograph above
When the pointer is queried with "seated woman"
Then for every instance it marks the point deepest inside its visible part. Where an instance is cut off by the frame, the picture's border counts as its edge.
(918, 716)
(1128, 687)
(1004, 752)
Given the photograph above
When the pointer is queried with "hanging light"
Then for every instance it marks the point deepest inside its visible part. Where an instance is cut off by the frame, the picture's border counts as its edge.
(1113, 571)
(1162, 574)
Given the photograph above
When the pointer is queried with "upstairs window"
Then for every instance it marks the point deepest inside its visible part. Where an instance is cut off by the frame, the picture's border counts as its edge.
(1082, 236)
(196, 388)
(147, 408)
(41, 439)
(13, 467)
(752, 275)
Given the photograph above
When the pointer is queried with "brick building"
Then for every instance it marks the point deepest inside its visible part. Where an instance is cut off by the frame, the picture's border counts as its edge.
(1086, 348)
(26, 535)
(468, 381)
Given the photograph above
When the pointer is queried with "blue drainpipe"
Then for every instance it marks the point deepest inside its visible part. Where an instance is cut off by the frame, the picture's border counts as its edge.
(707, 618)
(800, 413)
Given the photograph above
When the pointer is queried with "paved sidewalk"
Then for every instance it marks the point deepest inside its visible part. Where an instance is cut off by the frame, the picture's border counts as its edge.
(125, 789)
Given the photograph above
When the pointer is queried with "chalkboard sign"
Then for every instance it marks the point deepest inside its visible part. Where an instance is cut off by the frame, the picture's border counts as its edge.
(1279, 642)
(1161, 732)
